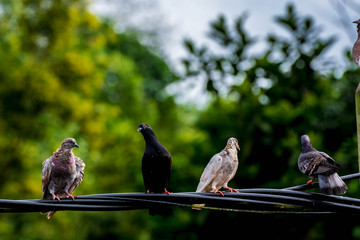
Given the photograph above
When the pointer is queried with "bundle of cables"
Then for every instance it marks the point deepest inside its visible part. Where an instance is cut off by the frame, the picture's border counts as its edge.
(292, 200)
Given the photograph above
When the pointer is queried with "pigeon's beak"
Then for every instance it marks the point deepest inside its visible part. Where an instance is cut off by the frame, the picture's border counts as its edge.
(139, 129)
(76, 146)
(357, 21)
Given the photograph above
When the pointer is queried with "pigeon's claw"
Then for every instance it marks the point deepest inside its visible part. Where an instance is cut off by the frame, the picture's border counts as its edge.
(232, 190)
(221, 192)
(69, 195)
(55, 197)
(310, 182)
(166, 191)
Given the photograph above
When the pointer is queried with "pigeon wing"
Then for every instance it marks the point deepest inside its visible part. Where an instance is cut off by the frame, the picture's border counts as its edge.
(356, 52)
(210, 172)
(80, 166)
(45, 176)
(321, 163)
(330, 162)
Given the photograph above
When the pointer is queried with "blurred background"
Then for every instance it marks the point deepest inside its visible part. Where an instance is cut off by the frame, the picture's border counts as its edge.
(198, 73)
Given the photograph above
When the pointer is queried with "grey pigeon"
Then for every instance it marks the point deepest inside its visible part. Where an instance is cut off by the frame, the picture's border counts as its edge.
(61, 173)
(318, 164)
(220, 169)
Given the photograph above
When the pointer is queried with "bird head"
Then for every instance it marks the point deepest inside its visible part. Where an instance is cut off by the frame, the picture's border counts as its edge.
(232, 143)
(142, 127)
(357, 21)
(305, 142)
(69, 143)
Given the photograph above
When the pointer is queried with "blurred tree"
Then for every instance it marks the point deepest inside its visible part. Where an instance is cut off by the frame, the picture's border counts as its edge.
(268, 101)
(64, 74)
(272, 98)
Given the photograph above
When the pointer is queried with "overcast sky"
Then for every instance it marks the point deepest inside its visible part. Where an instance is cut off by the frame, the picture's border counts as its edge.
(191, 18)
(175, 20)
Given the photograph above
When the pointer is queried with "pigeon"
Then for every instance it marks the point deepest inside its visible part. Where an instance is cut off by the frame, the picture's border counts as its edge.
(220, 169)
(356, 47)
(156, 166)
(318, 164)
(156, 162)
(61, 173)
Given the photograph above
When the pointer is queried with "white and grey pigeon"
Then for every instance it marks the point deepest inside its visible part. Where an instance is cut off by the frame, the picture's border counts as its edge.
(220, 169)
(318, 164)
(61, 173)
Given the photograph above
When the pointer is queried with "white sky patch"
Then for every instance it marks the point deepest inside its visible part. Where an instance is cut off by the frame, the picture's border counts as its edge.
(191, 19)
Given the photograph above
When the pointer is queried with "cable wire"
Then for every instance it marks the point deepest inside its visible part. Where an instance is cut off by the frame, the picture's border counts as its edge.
(291, 200)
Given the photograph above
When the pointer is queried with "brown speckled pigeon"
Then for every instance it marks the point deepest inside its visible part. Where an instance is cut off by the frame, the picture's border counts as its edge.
(220, 169)
(62, 173)
(356, 47)
(318, 164)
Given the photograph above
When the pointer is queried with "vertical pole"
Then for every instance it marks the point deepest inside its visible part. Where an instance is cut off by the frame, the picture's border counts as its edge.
(357, 106)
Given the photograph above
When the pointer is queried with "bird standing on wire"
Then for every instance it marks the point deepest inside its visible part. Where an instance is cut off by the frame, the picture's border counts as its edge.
(318, 164)
(220, 169)
(356, 47)
(156, 162)
(62, 173)
(156, 168)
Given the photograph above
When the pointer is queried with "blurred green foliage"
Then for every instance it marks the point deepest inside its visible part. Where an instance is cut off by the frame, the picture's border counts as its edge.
(268, 101)
(65, 73)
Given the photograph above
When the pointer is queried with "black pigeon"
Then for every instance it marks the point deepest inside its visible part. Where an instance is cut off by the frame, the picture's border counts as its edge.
(156, 164)
(318, 164)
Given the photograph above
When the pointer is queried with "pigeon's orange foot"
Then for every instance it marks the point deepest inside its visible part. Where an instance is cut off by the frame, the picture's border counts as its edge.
(55, 197)
(232, 190)
(310, 182)
(69, 195)
(166, 191)
(217, 191)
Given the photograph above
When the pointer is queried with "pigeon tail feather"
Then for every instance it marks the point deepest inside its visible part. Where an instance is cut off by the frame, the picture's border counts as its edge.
(200, 187)
(49, 214)
(332, 184)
